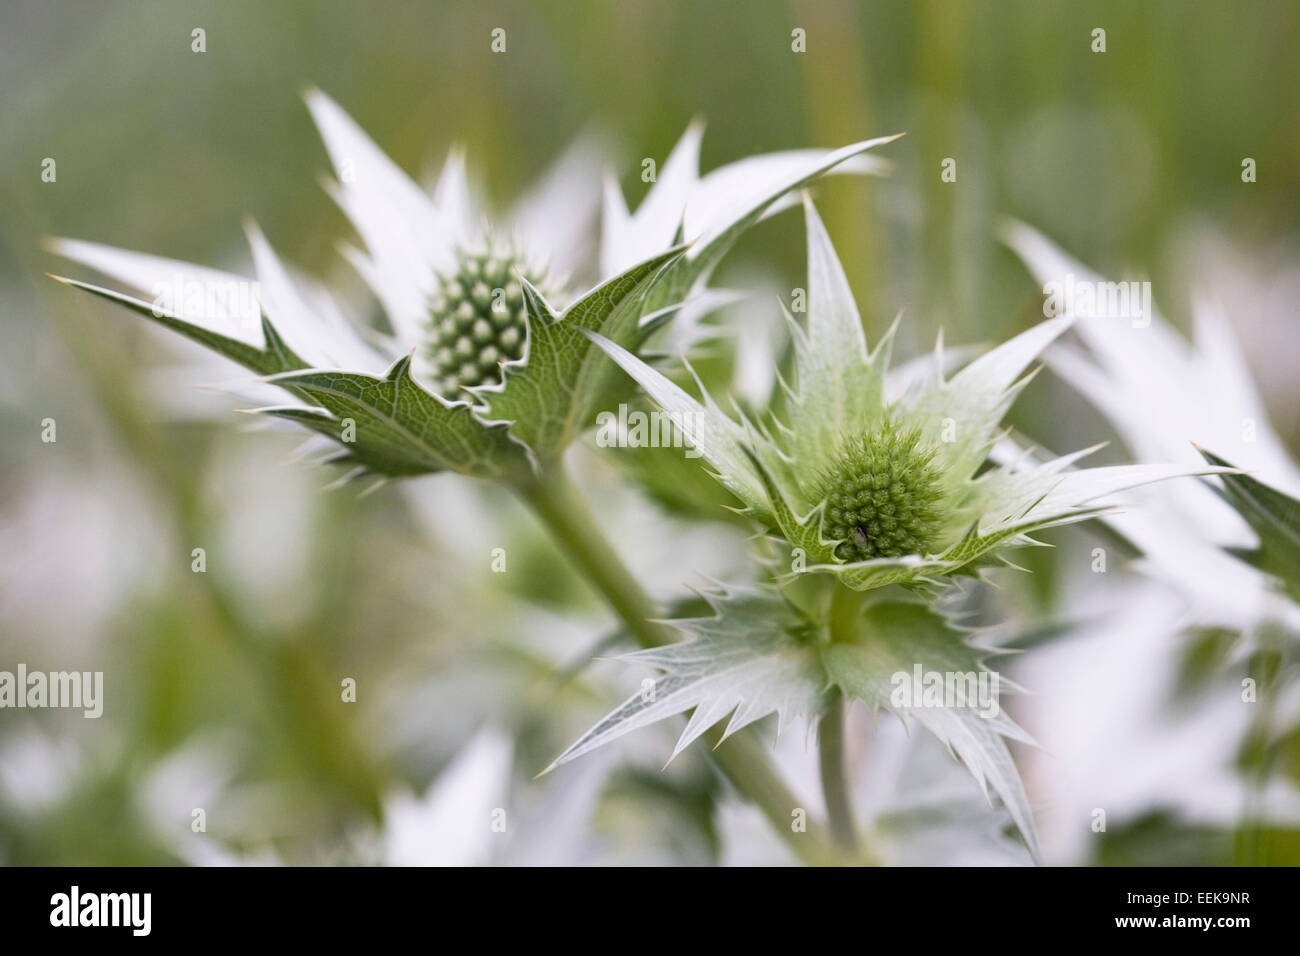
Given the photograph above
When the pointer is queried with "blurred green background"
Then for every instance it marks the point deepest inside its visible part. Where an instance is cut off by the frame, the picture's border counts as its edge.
(1131, 159)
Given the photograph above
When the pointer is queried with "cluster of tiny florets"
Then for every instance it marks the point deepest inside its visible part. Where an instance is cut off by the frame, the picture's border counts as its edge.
(882, 495)
(477, 320)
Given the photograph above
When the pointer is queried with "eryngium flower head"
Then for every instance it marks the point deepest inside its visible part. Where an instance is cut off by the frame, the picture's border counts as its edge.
(882, 495)
(478, 318)
(880, 478)
(476, 370)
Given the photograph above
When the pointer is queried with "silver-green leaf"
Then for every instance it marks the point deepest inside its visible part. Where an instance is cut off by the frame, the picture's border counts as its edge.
(746, 661)
(890, 638)
(1274, 517)
(548, 397)
(274, 355)
(396, 427)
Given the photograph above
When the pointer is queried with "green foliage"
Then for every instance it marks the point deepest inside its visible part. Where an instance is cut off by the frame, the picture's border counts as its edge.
(273, 357)
(877, 640)
(400, 427)
(549, 397)
(758, 655)
(747, 661)
(1274, 516)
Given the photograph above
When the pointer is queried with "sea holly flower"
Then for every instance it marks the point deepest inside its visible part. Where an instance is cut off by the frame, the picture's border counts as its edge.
(478, 372)
(1174, 399)
(877, 481)
(379, 393)
(878, 488)
(1165, 394)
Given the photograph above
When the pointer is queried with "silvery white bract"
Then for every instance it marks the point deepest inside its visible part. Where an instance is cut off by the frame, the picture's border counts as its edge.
(477, 372)
(1161, 392)
(1174, 400)
(430, 830)
(760, 654)
(879, 488)
(418, 829)
(873, 481)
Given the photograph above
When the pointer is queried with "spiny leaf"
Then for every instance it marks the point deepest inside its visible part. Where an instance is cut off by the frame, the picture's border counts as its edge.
(689, 271)
(548, 397)
(889, 638)
(719, 440)
(839, 387)
(274, 356)
(745, 661)
(973, 402)
(1049, 497)
(757, 655)
(1275, 518)
(671, 476)
(402, 429)
(907, 570)
(361, 458)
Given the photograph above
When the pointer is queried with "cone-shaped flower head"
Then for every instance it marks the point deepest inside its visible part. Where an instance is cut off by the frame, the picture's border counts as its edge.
(476, 371)
(478, 318)
(876, 477)
(882, 495)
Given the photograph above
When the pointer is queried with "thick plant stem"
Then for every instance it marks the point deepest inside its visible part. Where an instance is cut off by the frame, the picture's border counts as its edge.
(835, 787)
(741, 759)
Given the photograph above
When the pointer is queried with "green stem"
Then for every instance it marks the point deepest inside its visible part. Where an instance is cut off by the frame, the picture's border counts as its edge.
(740, 758)
(561, 509)
(835, 787)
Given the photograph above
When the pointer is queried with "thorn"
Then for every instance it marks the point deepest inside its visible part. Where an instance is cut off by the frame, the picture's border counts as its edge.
(379, 483)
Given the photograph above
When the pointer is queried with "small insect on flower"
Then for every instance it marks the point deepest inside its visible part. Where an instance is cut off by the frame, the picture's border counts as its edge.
(882, 495)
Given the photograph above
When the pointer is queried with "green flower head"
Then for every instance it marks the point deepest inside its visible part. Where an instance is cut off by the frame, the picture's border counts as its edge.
(871, 478)
(880, 478)
(477, 369)
(882, 494)
(478, 318)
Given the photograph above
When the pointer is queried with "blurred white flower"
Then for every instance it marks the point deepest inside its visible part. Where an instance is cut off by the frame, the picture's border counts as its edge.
(1263, 285)
(62, 537)
(1112, 734)
(1103, 712)
(37, 770)
(1163, 393)
(452, 823)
